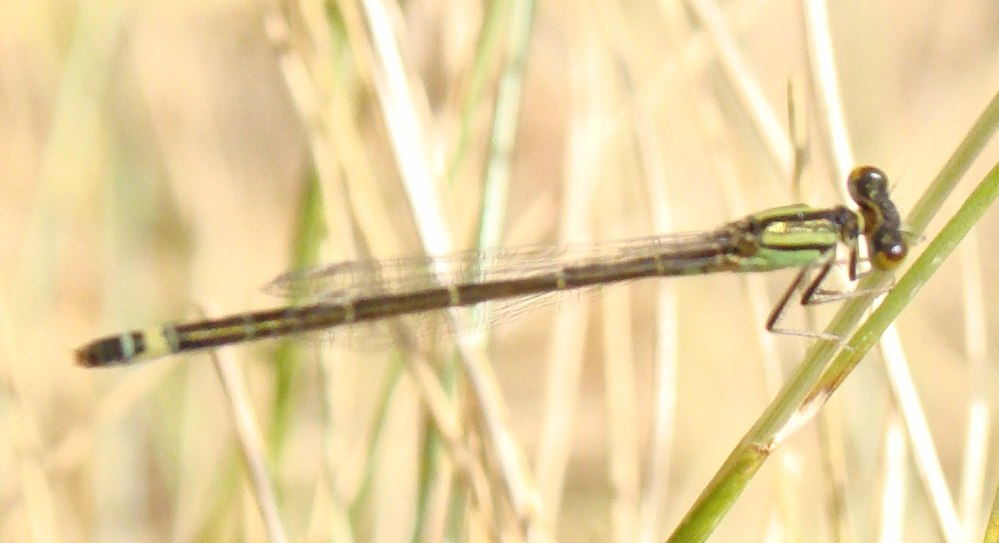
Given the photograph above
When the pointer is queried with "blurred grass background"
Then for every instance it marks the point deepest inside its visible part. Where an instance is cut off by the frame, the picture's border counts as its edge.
(162, 156)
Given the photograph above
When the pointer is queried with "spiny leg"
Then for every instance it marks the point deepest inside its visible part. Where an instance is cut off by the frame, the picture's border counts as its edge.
(810, 290)
(814, 294)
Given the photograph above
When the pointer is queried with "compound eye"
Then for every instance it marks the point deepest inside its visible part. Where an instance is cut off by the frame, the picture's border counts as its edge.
(866, 183)
(889, 251)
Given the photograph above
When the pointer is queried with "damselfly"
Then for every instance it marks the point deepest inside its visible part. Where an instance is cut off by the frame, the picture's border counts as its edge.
(793, 236)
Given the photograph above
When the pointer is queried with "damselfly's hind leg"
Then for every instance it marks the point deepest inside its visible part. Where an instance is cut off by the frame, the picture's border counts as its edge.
(814, 294)
(781, 304)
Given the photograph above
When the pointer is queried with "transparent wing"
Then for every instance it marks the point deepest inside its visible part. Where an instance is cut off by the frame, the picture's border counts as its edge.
(345, 281)
(353, 280)
(428, 328)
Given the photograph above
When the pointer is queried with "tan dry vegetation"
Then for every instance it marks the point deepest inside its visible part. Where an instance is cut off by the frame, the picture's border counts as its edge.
(155, 158)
